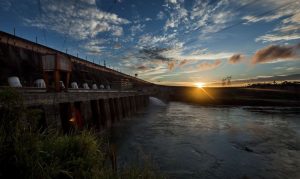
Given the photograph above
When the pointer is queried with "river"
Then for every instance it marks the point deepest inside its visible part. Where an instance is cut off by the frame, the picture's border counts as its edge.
(189, 141)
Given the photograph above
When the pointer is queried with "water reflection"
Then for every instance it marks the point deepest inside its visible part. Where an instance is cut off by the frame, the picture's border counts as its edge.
(187, 141)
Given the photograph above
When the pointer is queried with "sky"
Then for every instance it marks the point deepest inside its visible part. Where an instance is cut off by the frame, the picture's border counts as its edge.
(172, 42)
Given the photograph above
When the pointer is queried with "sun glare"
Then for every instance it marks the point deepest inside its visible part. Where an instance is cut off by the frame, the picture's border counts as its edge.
(200, 85)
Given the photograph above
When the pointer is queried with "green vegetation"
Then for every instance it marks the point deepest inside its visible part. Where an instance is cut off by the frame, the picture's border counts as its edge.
(26, 151)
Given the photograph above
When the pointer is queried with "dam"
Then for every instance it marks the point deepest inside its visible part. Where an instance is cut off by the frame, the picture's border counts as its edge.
(69, 90)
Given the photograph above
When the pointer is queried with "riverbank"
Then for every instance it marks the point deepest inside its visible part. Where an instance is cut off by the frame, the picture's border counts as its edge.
(236, 96)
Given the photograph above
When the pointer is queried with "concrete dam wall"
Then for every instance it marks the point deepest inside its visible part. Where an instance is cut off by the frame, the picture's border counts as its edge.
(103, 96)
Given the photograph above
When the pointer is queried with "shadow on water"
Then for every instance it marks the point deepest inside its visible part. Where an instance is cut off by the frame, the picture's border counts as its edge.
(187, 141)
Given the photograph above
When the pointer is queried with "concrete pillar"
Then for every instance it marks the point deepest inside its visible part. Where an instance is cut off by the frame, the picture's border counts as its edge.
(86, 112)
(112, 110)
(96, 114)
(127, 106)
(52, 117)
(133, 106)
(124, 107)
(65, 116)
(135, 103)
(116, 110)
(105, 112)
(138, 104)
(56, 80)
(124, 111)
(118, 106)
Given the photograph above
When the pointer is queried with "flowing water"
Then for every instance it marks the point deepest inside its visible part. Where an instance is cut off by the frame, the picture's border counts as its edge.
(189, 141)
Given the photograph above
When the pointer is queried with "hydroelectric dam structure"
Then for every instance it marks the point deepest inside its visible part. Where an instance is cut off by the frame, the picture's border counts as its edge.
(68, 90)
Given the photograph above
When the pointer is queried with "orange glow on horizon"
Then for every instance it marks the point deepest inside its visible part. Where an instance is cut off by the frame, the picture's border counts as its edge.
(200, 84)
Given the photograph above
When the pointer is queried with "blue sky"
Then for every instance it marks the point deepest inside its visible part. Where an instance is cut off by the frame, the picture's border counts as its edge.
(173, 42)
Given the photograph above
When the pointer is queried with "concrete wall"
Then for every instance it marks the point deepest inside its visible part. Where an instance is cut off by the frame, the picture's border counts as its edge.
(97, 114)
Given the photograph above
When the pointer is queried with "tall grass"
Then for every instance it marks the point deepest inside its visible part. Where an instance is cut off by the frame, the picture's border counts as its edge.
(26, 151)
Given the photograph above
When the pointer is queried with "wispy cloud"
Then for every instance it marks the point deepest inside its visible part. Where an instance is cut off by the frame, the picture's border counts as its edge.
(274, 38)
(287, 12)
(136, 28)
(177, 14)
(183, 62)
(94, 47)
(79, 20)
(208, 65)
(142, 68)
(171, 65)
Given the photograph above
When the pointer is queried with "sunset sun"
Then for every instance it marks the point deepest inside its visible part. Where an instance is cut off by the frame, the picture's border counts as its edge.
(200, 84)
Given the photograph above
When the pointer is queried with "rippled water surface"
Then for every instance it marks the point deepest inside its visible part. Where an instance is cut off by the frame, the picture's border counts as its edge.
(189, 141)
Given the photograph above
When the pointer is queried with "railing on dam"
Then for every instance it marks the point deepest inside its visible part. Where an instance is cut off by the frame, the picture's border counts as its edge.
(39, 96)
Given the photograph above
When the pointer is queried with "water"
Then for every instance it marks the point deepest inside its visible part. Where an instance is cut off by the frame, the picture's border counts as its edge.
(189, 141)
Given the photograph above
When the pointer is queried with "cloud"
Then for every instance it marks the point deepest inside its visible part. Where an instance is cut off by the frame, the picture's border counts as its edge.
(117, 46)
(94, 47)
(154, 54)
(208, 65)
(117, 31)
(171, 65)
(172, 1)
(160, 15)
(136, 29)
(148, 40)
(177, 16)
(148, 19)
(236, 58)
(287, 9)
(183, 62)
(209, 18)
(142, 68)
(89, 1)
(274, 53)
(274, 38)
(289, 29)
(289, 21)
(205, 56)
(81, 20)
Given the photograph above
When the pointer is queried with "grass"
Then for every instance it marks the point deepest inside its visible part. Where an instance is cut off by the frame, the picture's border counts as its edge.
(27, 151)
